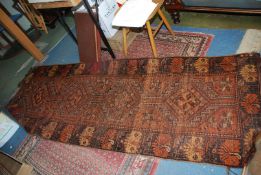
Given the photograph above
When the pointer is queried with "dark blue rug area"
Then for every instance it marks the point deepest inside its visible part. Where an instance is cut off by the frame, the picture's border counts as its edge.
(225, 42)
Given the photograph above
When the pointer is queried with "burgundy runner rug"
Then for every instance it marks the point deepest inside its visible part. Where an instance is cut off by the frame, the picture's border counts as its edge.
(203, 109)
(54, 158)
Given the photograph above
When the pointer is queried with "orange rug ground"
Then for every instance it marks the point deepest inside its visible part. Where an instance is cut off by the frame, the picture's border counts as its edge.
(196, 108)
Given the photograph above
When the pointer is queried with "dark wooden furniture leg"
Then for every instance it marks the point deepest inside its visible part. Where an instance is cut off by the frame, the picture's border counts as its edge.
(176, 17)
(173, 7)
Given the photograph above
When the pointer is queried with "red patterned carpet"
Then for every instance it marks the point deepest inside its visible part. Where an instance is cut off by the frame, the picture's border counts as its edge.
(182, 44)
(53, 158)
(195, 108)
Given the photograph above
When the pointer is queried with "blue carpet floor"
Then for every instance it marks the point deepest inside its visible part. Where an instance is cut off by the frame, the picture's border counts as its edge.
(65, 52)
(173, 167)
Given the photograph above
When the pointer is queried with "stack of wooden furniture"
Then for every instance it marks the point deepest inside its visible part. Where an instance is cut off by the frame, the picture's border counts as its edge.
(33, 15)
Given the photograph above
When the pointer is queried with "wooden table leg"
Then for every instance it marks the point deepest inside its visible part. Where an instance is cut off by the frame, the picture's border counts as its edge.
(152, 42)
(11, 27)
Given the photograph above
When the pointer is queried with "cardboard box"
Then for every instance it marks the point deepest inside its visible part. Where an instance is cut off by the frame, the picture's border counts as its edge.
(89, 40)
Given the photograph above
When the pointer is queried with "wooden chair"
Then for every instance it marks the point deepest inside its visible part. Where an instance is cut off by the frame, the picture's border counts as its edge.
(151, 34)
(18, 34)
(33, 15)
(14, 18)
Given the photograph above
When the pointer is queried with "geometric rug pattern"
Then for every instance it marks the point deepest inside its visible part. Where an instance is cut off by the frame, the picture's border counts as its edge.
(181, 44)
(202, 109)
(52, 158)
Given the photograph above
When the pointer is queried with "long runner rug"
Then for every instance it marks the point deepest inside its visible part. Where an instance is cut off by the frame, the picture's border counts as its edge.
(203, 109)
(54, 158)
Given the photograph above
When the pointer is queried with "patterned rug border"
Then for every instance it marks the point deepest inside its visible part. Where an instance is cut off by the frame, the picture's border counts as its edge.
(130, 162)
(158, 58)
(207, 43)
(97, 68)
(247, 67)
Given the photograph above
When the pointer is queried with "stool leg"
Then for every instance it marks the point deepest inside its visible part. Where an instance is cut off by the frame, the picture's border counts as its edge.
(165, 22)
(157, 29)
(125, 47)
(152, 42)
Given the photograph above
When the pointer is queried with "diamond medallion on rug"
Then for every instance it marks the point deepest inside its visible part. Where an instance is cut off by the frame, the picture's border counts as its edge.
(202, 109)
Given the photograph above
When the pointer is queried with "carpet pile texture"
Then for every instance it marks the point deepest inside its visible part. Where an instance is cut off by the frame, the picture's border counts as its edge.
(202, 109)
(54, 158)
(181, 44)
